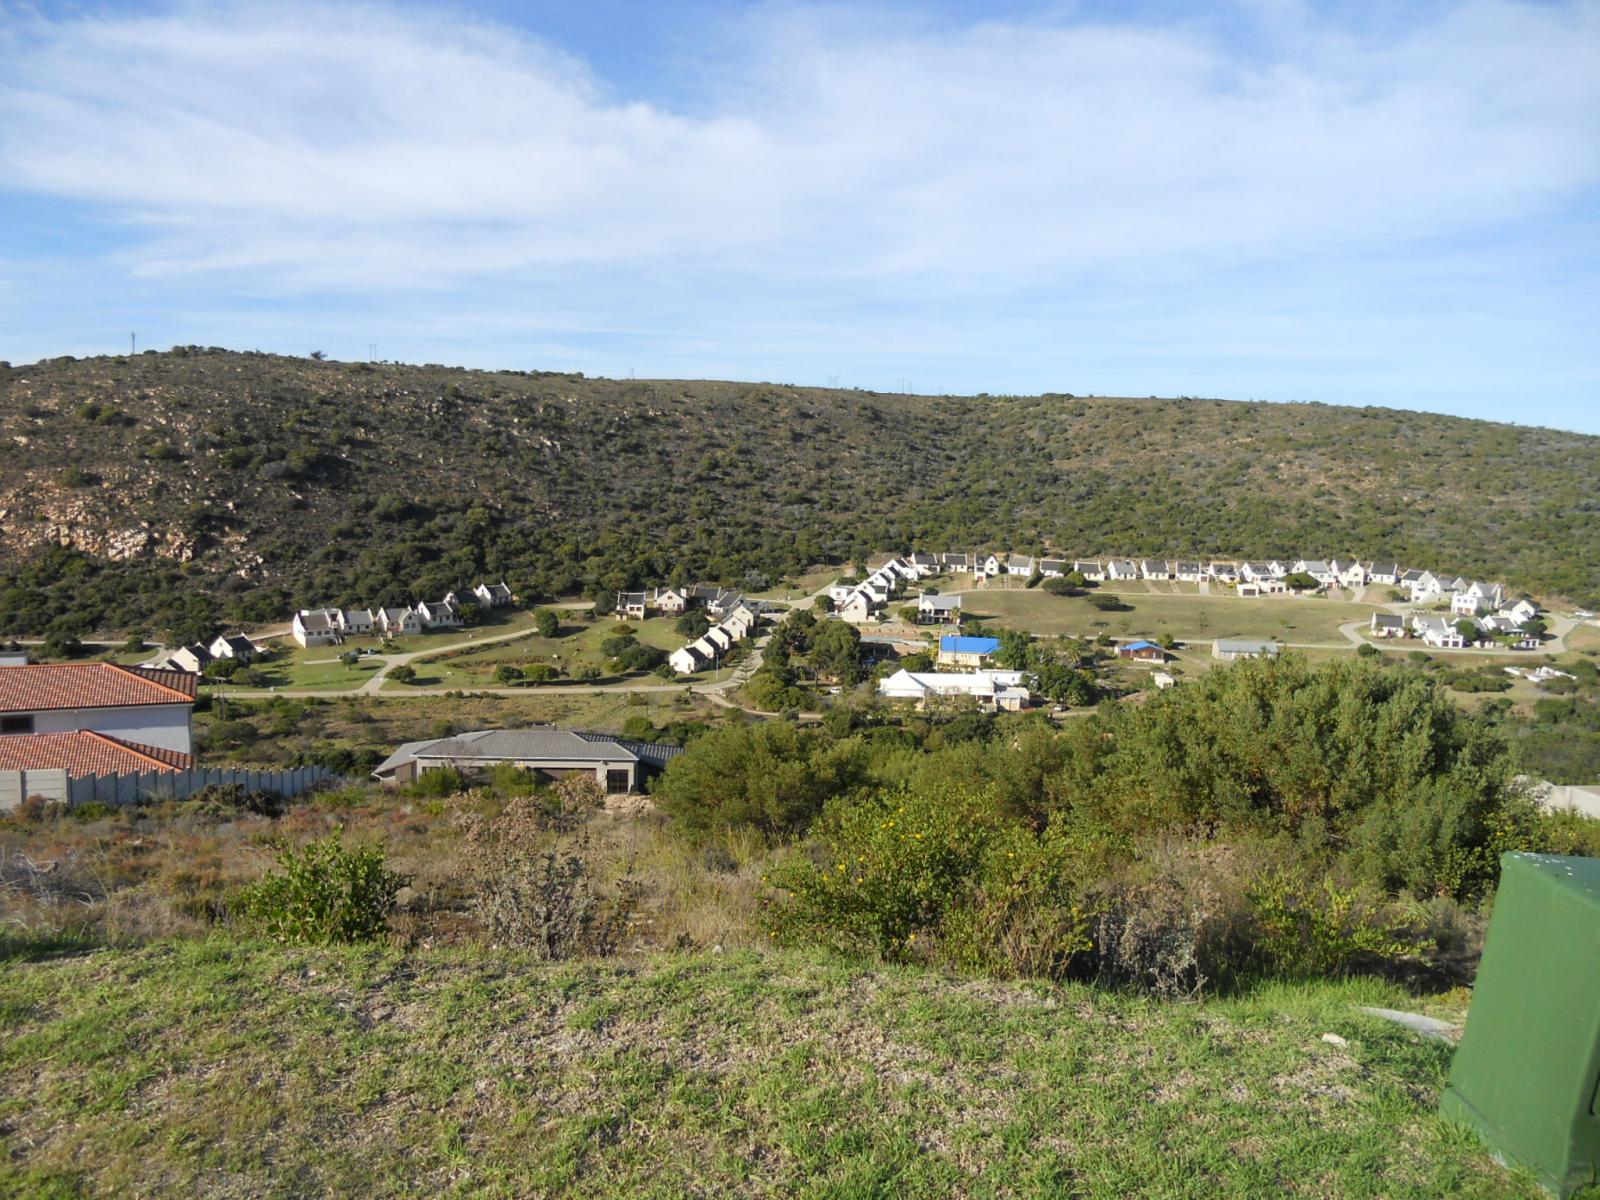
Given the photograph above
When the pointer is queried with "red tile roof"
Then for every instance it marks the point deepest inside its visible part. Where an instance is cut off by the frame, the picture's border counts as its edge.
(40, 686)
(86, 753)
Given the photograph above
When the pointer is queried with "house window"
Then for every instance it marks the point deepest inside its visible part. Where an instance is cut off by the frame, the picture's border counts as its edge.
(16, 724)
(616, 782)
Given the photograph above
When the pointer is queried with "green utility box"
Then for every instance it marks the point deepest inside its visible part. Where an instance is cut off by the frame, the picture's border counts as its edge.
(1527, 1073)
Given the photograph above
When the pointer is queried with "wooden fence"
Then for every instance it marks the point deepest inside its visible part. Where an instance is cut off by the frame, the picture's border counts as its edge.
(151, 786)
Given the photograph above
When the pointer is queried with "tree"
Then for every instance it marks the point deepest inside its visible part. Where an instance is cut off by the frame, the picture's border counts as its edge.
(1301, 581)
(404, 673)
(823, 603)
(770, 776)
(546, 623)
(1015, 652)
(1468, 629)
(1057, 681)
(836, 652)
(692, 624)
(506, 673)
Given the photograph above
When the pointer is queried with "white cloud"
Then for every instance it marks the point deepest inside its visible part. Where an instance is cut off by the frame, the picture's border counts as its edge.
(314, 147)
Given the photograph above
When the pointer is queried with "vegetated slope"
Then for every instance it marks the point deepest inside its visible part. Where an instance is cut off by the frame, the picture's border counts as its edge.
(198, 484)
(211, 1069)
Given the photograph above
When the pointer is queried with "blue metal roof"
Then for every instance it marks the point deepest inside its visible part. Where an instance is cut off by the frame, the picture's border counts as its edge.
(1141, 644)
(952, 644)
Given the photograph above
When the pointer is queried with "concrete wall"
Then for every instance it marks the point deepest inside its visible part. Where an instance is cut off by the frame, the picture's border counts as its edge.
(118, 790)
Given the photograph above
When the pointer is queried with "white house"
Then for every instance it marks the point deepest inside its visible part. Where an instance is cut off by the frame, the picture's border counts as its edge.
(1425, 587)
(925, 564)
(1020, 564)
(686, 660)
(316, 626)
(1317, 569)
(1222, 572)
(720, 638)
(1348, 572)
(1477, 598)
(438, 615)
(1436, 631)
(1150, 568)
(396, 622)
(632, 606)
(740, 622)
(493, 595)
(1388, 572)
(990, 689)
(1052, 568)
(1521, 612)
(938, 610)
(956, 564)
(1232, 649)
(356, 621)
(858, 606)
(1510, 628)
(147, 710)
(1121, 568)
(1090, 569)
(1388, 625)
(990, 565)
(193, 659)
(1190, 572)
(234, 645)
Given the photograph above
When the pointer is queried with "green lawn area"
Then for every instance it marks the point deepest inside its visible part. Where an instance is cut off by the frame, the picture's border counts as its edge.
(1288, 619)
(226, 1069)
(805, 585)
(577, 645)
(1584, 637)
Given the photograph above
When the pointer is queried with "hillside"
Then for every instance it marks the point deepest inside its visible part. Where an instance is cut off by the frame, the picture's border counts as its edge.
(212, 1069)
(198, 486)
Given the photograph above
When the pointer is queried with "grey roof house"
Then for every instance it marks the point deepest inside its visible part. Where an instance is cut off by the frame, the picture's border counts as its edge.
(617, 764)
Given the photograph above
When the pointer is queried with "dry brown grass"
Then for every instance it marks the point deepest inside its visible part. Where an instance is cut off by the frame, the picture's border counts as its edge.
(146, 873)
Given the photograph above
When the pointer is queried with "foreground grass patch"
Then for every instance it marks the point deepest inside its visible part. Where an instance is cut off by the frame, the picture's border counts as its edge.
(209, 1068)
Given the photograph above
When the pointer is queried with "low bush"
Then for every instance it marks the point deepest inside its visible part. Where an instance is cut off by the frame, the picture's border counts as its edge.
(937, 876)
(322, 893)
(1306, 930)
(541, 893)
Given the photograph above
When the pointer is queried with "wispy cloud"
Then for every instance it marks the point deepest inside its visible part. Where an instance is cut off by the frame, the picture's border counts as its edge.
(1269, 199)
(365, 145)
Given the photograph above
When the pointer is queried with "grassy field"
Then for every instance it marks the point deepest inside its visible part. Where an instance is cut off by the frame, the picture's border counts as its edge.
(1286, 618)
(1584, 637)
(219, 1069)
(574, 648)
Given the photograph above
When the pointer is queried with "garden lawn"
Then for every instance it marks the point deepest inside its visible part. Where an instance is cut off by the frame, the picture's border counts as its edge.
(219, 1069)
(1287, 619)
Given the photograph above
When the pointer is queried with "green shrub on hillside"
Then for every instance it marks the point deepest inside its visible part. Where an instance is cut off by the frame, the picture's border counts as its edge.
(322, 893)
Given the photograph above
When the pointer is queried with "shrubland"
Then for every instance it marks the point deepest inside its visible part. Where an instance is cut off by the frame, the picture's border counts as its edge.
(180, 491)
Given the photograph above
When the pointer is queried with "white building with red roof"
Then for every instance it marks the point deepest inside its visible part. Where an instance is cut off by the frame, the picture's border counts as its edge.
(78, 716)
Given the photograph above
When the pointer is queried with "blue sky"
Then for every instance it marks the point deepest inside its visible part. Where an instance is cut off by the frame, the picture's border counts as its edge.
(1391, 204)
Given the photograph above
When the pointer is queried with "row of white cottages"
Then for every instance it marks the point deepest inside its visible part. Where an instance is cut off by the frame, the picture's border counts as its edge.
(1446, 633)
(329, 626)
(1467, 597)
(738, 622)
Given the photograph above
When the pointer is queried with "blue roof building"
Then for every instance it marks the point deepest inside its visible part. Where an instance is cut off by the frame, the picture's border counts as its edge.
(955, 644)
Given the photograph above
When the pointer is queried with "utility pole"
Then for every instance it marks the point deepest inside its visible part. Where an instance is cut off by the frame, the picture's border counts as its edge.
(132, 341)
(372, 351)
(833, 381)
